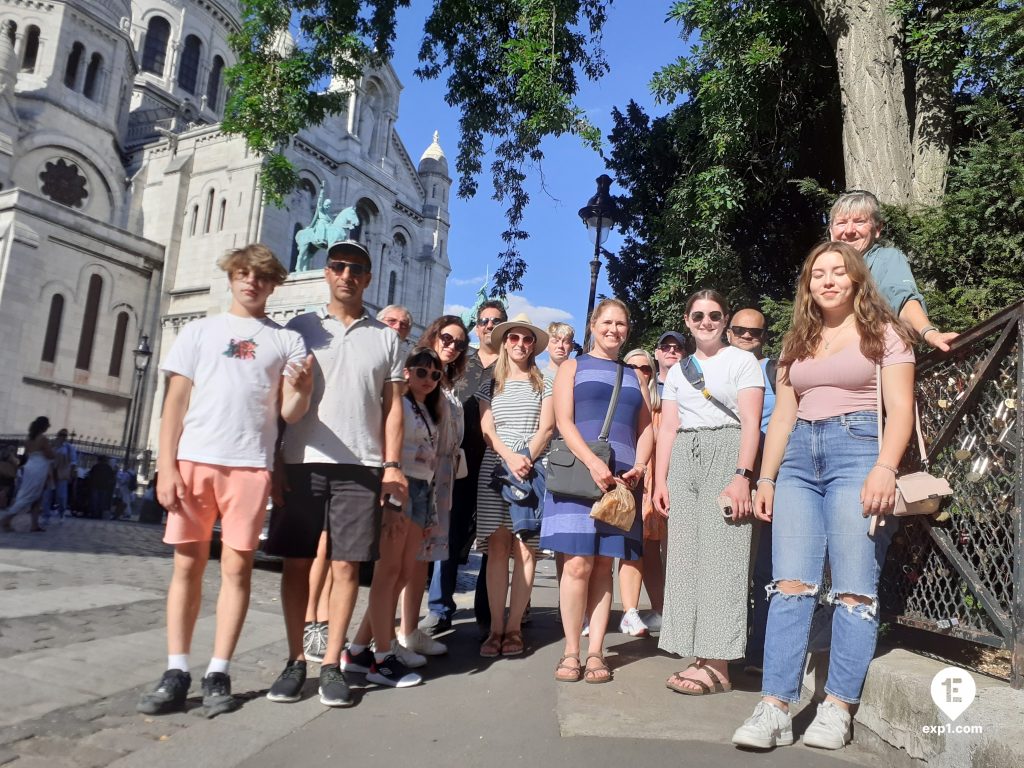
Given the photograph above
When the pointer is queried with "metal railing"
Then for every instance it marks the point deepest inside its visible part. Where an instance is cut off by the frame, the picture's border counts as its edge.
(962, 574)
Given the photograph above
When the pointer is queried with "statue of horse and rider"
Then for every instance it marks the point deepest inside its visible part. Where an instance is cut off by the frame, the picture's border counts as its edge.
(322, 231)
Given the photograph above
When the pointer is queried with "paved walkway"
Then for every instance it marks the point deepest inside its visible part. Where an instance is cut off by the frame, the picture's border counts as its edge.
(81, 634)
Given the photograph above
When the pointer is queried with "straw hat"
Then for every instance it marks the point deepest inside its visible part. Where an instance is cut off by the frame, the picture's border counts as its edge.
(519, 321)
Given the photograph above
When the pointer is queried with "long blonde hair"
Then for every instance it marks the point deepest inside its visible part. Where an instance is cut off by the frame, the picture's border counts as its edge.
(503, 367)
(652, 384)
(871, 311)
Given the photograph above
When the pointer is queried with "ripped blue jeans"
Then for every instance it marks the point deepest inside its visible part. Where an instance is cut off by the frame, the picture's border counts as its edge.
(817, 511)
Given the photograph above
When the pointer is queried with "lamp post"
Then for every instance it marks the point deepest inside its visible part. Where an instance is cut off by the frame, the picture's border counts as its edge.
(142, 355)
(599, 217)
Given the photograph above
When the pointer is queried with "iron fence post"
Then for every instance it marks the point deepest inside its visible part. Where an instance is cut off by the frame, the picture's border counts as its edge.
(1017, 612)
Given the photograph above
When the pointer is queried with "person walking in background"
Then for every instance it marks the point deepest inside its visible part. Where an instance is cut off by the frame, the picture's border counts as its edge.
(449, 339)
(583, 392)
(713, 401)
(101, 480)
(229, 378)
(65, 467)
(338, 464)
(479, 370)
(856, 219)
(517, 421)
(35, 477)
(747, 331)
(822, 475)
(649, 570)
(8, 472)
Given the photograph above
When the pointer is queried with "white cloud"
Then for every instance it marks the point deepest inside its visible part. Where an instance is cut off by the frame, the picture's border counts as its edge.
(463, 281)
(455, 309)
(540, 316)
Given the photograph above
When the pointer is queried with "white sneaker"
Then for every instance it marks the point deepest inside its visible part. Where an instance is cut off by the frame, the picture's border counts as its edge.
(768, 727)
(830, 728)
(409, 658)
(653, 621)
(586, 627)
(420, 642)
(632, 624)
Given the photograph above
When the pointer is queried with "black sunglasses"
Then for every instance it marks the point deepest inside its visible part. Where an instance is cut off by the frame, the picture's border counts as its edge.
(339, 267)
(488, 321)
(714, 316)
(671, 348)
(422, 373)
(644, 369)
(742, 330)
(447, 340)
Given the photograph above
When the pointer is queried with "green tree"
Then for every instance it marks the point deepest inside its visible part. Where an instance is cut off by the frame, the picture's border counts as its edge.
(512, 66)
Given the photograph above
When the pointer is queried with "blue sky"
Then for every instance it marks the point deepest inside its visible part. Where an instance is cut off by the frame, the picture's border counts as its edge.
(637, 41)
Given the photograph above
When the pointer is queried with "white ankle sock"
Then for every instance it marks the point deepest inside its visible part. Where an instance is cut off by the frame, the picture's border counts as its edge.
(381, 656)
(178, 661)
(356, 648)
(218, 665)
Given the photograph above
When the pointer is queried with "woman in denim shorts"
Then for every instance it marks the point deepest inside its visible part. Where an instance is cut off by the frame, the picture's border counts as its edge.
(823, 475)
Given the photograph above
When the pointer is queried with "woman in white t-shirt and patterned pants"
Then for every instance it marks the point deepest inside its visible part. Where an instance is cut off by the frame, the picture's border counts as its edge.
(712, 444)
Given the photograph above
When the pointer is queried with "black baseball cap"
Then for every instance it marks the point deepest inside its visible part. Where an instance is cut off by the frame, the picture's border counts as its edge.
(348, 248)
(675, 336)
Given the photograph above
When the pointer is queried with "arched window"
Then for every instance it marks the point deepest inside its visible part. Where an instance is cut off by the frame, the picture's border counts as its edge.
(53, 328)
(92, 77)
(195, 219)
(154, 49)
(213, 82)
(92, 312)
(208, 219)
(74, 61)
(293, 260)
(28, 58)
(222, 214)
(188, 70)
(392, 284)
(117, 352)
(11, 28)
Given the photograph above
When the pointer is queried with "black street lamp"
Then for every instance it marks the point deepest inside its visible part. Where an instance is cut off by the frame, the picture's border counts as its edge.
(142, 355)
(599, 217)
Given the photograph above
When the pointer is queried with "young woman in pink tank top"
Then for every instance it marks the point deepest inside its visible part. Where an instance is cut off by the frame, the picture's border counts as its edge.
(822, 477)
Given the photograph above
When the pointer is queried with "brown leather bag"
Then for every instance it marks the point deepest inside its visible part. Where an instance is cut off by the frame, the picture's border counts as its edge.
(917, 493)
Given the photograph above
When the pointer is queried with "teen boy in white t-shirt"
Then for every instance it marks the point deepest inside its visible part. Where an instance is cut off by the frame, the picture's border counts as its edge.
(229, 376)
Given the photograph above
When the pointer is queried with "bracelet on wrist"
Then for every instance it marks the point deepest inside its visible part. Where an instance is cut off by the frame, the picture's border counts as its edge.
(890, 467)
(766, 480)
(928, 329)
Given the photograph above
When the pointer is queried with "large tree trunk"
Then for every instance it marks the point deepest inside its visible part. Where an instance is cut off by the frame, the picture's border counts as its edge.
(876, 128)
(933, 127)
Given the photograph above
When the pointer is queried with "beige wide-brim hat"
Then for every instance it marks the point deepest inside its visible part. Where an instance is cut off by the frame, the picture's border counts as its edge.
(519, 321)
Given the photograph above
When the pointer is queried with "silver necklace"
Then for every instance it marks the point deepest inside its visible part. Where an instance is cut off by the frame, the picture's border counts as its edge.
(839, 330)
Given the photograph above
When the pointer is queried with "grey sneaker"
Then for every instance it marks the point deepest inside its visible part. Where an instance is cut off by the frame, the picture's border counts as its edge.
(288, 686)
(314, 641)
(830, 729)
(168, 696)
(334, 691)
(217, 698)
(768, 727)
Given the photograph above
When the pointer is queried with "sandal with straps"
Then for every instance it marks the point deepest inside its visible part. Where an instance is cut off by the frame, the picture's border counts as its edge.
(718, 684)
(599, 673)
(491, 647)
(512, 644)
(569, 673)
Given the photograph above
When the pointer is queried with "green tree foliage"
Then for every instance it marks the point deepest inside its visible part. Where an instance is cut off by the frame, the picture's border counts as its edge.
(732, 187)
(512, 67)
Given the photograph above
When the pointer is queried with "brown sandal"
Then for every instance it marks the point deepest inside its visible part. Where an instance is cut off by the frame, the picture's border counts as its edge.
(568, 673)
(491, 647)
(599, 673)
(512, 644)
(718, 684)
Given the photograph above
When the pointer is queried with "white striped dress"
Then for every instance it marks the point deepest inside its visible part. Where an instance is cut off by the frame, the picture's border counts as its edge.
(516, 412)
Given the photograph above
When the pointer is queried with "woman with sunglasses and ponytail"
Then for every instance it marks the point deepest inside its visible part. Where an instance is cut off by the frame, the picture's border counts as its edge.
(423, 413)
(707, 446)
(517, 419)
(448, 338)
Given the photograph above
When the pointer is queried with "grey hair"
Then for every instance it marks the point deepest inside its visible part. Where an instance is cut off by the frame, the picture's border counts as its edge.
(859, 200)
(392, 308)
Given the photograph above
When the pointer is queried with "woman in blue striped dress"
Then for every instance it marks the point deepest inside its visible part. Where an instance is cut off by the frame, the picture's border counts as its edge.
(583, 390)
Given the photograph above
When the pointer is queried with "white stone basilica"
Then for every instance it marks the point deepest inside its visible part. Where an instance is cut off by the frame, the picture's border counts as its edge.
(119, 192)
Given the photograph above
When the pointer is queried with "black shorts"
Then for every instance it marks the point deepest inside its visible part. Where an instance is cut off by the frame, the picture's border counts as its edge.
(343, 499)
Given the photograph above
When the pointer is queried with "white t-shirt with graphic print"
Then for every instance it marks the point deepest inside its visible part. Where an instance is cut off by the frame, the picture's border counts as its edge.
(235, 365)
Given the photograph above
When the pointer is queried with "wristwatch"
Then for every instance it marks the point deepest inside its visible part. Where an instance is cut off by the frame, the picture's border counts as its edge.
(747, 473)
(392, 465)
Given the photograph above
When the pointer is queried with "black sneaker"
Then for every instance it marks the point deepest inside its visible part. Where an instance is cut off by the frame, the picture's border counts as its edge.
(393, 673)
(217, 698)
(357, 662)
(168, 696)
(333, 689)
(288, 686)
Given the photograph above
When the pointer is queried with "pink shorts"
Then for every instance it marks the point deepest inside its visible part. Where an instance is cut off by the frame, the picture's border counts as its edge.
(238, 495)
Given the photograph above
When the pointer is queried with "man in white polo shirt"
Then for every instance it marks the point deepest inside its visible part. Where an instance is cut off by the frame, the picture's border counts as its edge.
(341, 463)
